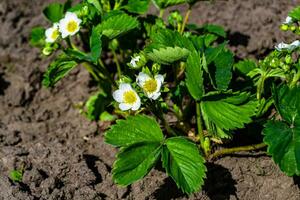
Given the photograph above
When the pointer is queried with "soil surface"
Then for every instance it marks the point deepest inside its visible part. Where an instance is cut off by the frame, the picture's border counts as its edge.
(63, 154)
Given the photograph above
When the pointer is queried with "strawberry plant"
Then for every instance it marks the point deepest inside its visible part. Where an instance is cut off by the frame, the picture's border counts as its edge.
(170, 86)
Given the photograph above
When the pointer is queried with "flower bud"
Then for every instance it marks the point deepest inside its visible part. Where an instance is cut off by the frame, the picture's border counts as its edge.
(288, 59)
(293, 28)
(155, 68)
(284, 27)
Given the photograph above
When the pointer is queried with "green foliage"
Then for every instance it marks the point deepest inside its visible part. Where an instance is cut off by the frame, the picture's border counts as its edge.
(135, 129)
(95, 45)
(295, 13)
(215, 29)
(57, 70)
(194, 75)
(212, 53)
(283, 137)
(137, 6)
(168, 55)
(96, 4)
(184, 164)
(227, 111)
(223, 73)
(167, 3)
(37, 37)
(117, 25)
(245, 66)
(16, 175)
(96, 105)
(54, 12)
(135, 161)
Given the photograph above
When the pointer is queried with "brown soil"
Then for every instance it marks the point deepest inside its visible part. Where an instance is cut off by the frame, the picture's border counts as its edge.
(63, 154)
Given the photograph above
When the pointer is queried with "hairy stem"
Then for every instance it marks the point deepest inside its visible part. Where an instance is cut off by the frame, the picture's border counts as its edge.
(186, 19)
(117, 63)
(161, 13)
(237, 149)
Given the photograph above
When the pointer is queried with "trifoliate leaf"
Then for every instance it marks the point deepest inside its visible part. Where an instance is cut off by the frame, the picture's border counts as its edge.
(96, 105)
(183, 162)
(137, 6)
(135, 161)
(54, 12)
(295, 13)
(95, 45)
(245, 66)
(117, 25)
(57, 70)
(223, 72)
(37, 37)
(283, 142)
(229, 111)
(194, 75)
(134, 129)
(168, 55)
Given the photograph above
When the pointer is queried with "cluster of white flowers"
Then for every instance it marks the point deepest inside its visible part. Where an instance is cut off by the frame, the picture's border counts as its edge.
(127, 97)
(68, 26)
(283, 46)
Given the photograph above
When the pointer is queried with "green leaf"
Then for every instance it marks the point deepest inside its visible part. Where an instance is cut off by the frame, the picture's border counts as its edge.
(283, 137)
(245, 66)
(168, 55)
(283, 142)
(54, 12)
(167, 3)
(228, 111)
(37, 37)
(57, 70)
(215, 29)
(212, 53)
(96, 105)
(16, 175)
(78, 55)
(96, 4)
(135, 161)
(95, 45)
(135, 129)
(194, 75)
(137, 6)
(295, 13)
(183, 162)
(287, 102)
(117, 25)
(223, 73)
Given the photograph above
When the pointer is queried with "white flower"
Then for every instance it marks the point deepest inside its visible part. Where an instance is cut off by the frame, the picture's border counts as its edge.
(69, 25)
(283, 46)
(127, 97)
(134, 61)
(52, 33)
(288, 20)
(151, 86)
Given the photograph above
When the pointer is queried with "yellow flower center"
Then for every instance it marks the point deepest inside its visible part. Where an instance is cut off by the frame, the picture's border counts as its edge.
(150, 86)
(54, 34)
(129, 97)
(72, 26)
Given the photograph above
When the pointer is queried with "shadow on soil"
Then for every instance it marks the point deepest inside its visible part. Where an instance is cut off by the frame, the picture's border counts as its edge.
(237, 38)
(3, 84)
(297, 181)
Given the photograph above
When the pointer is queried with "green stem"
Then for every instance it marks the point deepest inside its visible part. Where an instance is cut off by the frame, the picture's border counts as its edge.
(106, 72)
(117, 63)
(91, 69)
(199, 124)
(186, 19)
(237, 149)
(260, 87)
(161, 13)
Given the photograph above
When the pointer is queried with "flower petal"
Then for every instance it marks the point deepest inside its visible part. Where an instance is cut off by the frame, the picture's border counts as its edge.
(125, 86)
(141, 78)
(156, 95)
(137, 104)
(124, 106)
(118, 95)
